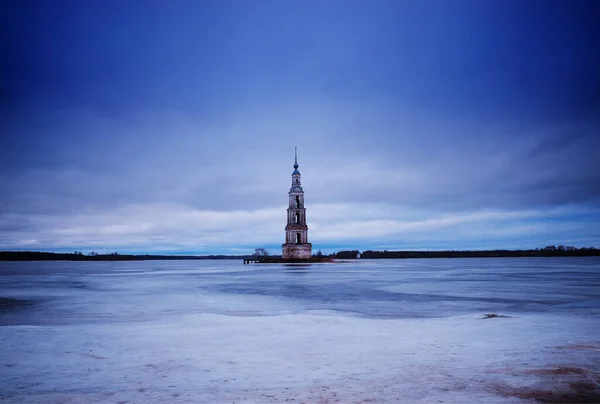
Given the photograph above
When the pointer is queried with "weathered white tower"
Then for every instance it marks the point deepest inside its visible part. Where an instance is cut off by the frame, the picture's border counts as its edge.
(296, 232)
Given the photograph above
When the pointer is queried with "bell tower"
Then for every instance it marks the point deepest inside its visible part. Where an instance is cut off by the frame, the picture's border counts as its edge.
(296, 231)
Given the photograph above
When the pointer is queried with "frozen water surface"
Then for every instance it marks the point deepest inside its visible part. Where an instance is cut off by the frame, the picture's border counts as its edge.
(410, 331)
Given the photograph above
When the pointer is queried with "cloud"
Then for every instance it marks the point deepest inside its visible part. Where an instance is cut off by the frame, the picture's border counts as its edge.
(168, 186)
(174, 227)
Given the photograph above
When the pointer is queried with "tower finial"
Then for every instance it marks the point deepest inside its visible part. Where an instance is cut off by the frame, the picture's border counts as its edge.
(296, 158)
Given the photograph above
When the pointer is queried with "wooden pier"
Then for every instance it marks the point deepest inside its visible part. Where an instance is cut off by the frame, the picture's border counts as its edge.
(252, 261)
(280, 260)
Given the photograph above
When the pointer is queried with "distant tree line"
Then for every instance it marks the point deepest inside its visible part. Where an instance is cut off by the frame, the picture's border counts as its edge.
(549, 251)
(347, 255)
(79, 256)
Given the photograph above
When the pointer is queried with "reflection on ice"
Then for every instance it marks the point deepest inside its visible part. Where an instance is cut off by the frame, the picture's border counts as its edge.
(136, 291)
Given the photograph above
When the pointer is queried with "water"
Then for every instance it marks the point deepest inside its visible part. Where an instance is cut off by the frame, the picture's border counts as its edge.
(411, 331)
(66, 292)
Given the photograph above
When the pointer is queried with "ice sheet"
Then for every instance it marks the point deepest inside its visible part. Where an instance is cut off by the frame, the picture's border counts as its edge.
(221, 332)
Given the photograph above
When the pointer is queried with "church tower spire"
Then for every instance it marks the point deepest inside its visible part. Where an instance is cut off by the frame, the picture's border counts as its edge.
(296, 244)
(295, 158)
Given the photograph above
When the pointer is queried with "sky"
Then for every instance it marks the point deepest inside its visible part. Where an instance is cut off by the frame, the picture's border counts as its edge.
(170, 127)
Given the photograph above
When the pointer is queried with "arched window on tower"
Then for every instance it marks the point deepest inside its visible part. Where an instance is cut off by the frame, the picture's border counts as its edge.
(296, 181)
(298, 241)
(297, 217)
(297, 201)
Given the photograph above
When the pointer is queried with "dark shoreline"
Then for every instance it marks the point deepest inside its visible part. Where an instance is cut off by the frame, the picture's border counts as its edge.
(353, 254)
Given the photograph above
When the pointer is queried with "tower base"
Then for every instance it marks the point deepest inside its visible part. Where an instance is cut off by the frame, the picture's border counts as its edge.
(296, 251)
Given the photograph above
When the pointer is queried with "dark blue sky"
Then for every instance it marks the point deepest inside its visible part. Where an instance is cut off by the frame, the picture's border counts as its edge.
(170, 126)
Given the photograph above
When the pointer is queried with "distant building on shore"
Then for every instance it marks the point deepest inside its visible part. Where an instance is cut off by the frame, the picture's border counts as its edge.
(296, 231)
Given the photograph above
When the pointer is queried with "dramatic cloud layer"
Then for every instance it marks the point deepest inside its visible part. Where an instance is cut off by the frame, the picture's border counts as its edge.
(170, 127)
